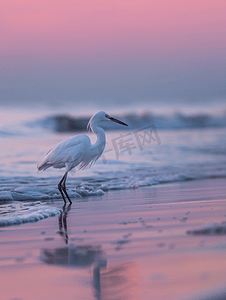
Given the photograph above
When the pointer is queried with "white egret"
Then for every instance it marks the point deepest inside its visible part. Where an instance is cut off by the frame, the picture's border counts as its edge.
(77, 151)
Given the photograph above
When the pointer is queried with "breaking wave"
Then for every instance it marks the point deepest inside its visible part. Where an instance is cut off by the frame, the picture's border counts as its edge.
(17, 213)
(44, 189)
(67, 123)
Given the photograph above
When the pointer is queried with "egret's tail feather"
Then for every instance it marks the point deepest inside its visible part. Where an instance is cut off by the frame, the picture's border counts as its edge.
(47, 165)
(43, 167)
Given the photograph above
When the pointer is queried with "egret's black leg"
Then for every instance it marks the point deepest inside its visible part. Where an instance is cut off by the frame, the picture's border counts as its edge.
(64, 187)
(60, 187)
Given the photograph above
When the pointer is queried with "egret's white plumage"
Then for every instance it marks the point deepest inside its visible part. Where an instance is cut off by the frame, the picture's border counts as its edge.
(77, 151)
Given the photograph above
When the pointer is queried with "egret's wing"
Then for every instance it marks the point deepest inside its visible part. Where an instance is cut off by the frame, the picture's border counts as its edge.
(68, 153)
(93, 155)
(85, 164)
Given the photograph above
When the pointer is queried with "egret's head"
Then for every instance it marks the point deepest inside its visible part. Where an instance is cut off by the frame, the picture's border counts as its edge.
(100, 117)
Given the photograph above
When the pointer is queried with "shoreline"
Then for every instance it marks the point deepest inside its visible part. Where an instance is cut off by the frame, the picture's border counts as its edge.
(138, 236)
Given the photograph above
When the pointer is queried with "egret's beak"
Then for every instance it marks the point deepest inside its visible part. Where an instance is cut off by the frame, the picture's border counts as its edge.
(116, 121)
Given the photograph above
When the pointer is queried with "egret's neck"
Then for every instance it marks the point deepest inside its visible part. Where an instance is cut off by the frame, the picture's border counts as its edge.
(101, 140)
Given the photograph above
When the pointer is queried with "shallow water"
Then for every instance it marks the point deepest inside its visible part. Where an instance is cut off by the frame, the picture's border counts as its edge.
(133, 158)
(126, 244)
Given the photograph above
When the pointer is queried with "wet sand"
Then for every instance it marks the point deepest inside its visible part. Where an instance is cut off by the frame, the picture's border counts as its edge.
(128, 244)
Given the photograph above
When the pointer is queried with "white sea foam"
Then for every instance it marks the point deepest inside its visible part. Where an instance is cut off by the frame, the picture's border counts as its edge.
(97, 184)
(18, 213)
(35, 194)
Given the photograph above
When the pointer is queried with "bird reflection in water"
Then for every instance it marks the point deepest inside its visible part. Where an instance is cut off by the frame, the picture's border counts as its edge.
(109, 283)
(63, 222)
(82, 256)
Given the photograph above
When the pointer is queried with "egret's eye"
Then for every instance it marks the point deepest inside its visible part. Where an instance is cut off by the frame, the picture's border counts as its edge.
(107, 116)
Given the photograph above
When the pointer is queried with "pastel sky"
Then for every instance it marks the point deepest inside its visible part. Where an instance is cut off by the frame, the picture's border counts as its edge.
(66, 50)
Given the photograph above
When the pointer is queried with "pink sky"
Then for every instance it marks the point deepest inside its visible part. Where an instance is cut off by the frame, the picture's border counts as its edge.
(95, 33)
(87, 26)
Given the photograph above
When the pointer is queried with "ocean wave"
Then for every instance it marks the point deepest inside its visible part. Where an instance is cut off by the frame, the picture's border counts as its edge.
(35, 194)
(42, 189)
(67, 123)
(19, 213)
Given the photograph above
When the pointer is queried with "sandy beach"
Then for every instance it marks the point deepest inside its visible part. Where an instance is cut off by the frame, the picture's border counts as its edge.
(128, 244)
